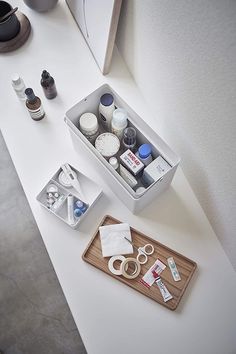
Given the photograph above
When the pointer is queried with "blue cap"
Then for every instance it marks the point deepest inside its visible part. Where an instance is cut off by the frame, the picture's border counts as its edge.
(77, 213)
(79, 204)
(144, 151)
(106, 99)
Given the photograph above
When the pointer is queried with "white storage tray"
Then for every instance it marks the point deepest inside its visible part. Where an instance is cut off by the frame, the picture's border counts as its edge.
(90, 189)
(145, 134)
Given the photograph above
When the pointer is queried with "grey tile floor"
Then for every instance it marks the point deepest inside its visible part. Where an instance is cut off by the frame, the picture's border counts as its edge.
(34, 315)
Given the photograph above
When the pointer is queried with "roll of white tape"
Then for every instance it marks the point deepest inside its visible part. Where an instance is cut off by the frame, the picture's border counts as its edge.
(112, 261)
(125, 266)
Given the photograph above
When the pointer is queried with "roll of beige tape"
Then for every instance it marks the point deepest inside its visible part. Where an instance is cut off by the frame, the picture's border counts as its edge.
(125, 266)
(111, 264)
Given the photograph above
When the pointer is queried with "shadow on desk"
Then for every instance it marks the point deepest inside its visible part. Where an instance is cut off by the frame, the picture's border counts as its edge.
(169, 209)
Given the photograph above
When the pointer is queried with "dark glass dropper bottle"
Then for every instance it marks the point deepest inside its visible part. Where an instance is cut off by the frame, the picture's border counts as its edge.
(33, 104)
(48, 85)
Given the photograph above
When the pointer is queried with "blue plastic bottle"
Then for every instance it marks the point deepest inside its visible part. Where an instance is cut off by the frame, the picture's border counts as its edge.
(144, 154)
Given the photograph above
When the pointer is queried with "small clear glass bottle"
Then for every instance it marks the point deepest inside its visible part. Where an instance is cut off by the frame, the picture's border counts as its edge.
(129, 138)
(19, 86)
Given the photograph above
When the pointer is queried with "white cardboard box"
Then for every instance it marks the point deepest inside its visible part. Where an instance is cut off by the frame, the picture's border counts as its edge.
(145, 134)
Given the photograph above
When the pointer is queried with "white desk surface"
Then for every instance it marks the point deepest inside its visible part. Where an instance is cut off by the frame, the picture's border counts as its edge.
(111, 317)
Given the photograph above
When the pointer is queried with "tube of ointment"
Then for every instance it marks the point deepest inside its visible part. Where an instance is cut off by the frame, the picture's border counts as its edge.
(164, 291)
(148, 279)
(173, 268)
(70, 209)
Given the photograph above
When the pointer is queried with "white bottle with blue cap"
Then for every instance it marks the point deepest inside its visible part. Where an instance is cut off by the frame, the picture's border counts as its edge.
(144, 154)
(106, 109)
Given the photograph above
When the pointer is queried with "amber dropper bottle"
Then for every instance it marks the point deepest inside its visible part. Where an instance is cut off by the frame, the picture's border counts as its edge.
(48, 85)
(33, 104)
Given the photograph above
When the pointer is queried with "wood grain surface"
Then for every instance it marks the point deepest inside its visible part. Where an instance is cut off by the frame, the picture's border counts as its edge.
(186, 267)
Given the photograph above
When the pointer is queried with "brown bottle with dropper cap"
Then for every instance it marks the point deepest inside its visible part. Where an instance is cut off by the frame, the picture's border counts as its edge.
(33, 104)
(48, 85)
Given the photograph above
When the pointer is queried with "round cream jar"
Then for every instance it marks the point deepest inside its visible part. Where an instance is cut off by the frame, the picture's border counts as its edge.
(107, 144)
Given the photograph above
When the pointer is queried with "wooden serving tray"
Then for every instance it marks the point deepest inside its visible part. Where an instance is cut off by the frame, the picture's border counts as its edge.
(186, 267)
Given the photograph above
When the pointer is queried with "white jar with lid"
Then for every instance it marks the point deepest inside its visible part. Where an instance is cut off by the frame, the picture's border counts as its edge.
(114, 163)
(106, 109)
(140, 190)
(107, 144)
(119, 122)
(89, 126)
(19, 86)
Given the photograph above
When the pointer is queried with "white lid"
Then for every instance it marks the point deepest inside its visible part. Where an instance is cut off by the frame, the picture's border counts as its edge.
(119, 118)
(16, 79)
(113, 162)
(140, 190)
(88, 122)
(107, 144)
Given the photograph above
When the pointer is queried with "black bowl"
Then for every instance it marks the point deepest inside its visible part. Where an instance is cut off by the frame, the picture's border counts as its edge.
(10, 27)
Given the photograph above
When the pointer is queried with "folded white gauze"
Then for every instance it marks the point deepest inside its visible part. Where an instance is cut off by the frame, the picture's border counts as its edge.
(113, 241)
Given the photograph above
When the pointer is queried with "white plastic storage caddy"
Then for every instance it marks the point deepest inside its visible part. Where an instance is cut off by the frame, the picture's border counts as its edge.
(135, 202)
(90, 192)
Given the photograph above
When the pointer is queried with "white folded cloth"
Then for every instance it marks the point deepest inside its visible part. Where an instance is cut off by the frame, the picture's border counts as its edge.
(113, 241)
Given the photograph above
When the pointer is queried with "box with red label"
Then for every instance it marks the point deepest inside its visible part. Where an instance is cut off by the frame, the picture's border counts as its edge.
(131, 162)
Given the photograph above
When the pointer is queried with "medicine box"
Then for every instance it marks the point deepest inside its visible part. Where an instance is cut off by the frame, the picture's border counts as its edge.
(134, 201)
(91, 192)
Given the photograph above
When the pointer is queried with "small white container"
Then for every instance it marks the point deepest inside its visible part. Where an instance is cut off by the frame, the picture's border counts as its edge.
(106, 109)
(107, 144)
(91, 190)
(114, 163)
(119, 122)
(19, 86)
(89, 126)
(155, 170)
(140, 190)
(135, 202)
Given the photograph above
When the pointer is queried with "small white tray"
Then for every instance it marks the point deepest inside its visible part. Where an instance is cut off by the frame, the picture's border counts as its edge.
(90, 189)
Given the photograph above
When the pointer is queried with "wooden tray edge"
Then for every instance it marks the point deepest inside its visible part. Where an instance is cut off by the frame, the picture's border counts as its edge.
(186, 284)
(94, 235)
